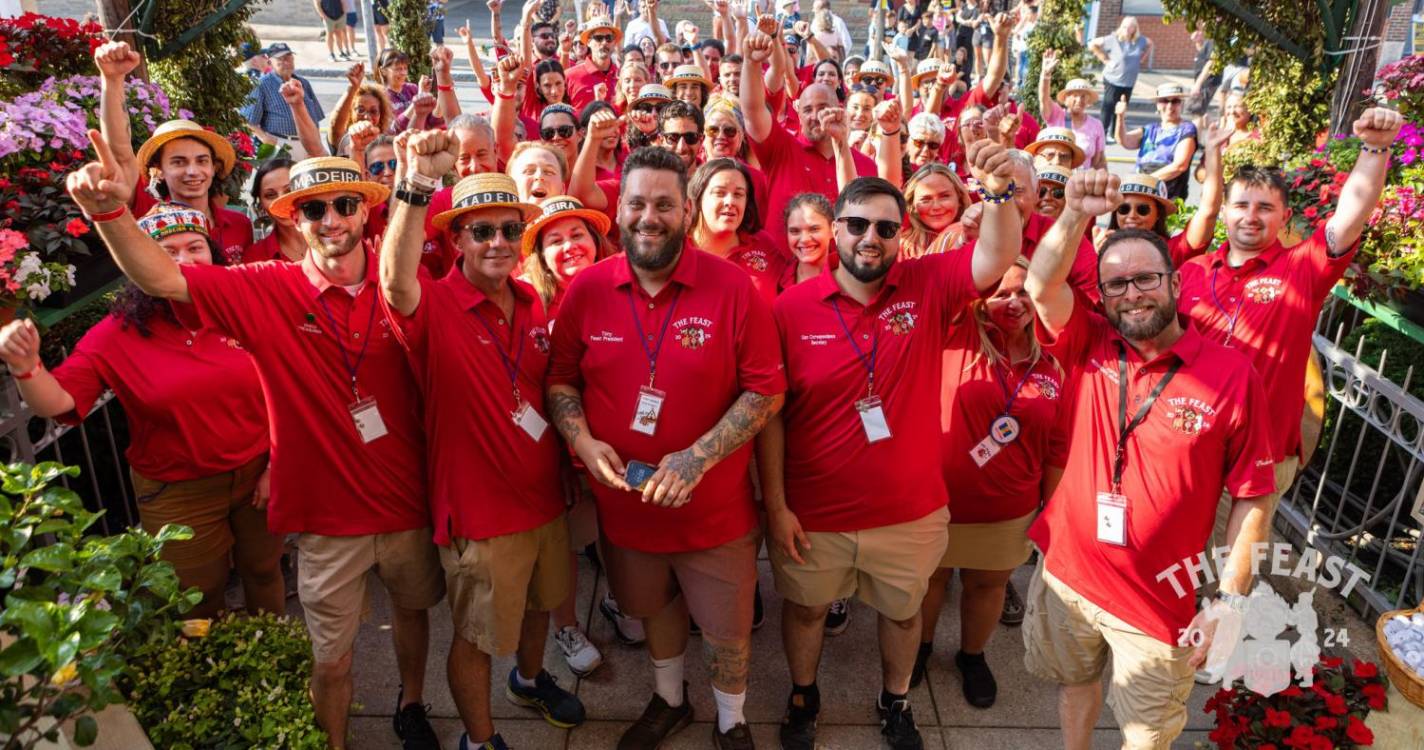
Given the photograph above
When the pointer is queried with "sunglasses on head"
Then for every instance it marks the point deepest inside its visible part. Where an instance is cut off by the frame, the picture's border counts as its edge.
(346, 205)
(481, 232)
(1044, 191)
(726, 131)
(562, 131)
(600, 37)
(857, 225)
(376, 168)
(1142, 209)
(689, 137)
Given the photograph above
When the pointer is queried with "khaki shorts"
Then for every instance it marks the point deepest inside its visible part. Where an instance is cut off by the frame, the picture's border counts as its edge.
(334, 24)
(1002, 545)
(1068, 640)
(494, 581)
(718, 583)
(209, 506)
(888, 567)
(583, 517)
(331, 582)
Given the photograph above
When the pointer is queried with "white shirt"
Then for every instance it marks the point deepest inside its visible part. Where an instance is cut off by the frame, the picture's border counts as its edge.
(639, 28)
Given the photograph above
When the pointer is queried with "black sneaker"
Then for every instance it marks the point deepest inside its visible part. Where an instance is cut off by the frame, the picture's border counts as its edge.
(557, 705)
(980, 689)
(758, 611)
(798, 728)
(1013, 606)
(897, 725)
(658, 722)
(739, 737)
(922, 664)
(838, 617)
(412, 725)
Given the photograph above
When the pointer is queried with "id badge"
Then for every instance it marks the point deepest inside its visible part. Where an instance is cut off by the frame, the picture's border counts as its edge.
(1112, 518)
(872, 419)
(529, 420)
(985, 450)
(367, 417)
(650, 406)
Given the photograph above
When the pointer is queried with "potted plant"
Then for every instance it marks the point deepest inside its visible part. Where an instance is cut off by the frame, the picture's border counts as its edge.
(1327, 715)
(35, 47)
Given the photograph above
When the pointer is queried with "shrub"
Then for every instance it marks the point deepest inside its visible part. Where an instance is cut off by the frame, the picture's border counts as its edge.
(202, 74)
(1058, 22)
(410, 33)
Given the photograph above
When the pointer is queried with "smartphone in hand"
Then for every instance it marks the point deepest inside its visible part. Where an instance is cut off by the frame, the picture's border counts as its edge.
(638, 473)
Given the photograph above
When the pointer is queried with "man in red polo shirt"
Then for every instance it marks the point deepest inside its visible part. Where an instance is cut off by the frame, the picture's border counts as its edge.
(843, 469)
(1164, 419)
(347, 447)
(601, 37)
(1263, 299)
(665, 365)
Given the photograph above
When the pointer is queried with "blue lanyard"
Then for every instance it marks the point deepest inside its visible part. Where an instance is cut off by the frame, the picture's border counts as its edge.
(1011, 397)
(1231, 316)
(511, 366)
(351, 368)
(867, 362)
(643, 337)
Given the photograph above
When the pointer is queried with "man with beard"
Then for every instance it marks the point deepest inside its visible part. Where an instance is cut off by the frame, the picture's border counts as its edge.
(347, 446)
(601, 36)
(476, 155)
(665, 364)
(863, 351)
(479, 344)
(1164, 420)
(545, 38)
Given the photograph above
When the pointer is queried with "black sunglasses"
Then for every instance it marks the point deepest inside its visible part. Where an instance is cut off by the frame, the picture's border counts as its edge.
(1142, 209)
(1144, 282)
(690, 138)
(865, 88)
(600, 37)
(377, 167)
(1045, 191)
(346, 205)
(726, 131)
(647, 107)
(512, 231)
(665, 64)
(857, 225)
(562, 131)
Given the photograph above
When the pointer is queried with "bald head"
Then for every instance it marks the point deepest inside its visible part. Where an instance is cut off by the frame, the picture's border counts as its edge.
(815, 99)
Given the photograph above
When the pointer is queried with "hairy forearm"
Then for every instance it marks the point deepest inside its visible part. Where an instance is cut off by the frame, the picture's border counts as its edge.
(566, 410)
(747, 415)
(1358, 199)
(400, 256)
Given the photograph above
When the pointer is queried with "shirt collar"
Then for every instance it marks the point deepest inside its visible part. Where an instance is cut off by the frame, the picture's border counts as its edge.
(1256, 263)
(685, 274)
(318, 281)
(828, 288)
(469, 297)
(1187, 348)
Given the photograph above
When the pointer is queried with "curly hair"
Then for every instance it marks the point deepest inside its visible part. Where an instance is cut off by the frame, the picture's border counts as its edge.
(136, 308)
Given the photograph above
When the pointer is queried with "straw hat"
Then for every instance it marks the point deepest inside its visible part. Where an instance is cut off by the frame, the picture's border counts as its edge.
(600, 22)
(175, 129)
(168, 219)
(326, 174)
(927, 67)
(1170, 91)
(688, 74)
(1054, 174)
(562, 207)
(1078, 86)
(874, 68)
(1147, 186)
(1062, 137)
(653, 92)
(481, 191)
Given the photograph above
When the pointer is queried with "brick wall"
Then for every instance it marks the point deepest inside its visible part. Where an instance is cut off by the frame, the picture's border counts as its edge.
(1172, 42)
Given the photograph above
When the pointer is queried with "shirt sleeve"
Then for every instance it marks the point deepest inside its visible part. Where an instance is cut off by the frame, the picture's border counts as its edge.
(777, 145)
(1250, 468)
(411, 330)
(1070, 346)
(313, 105)
(566, 346)
(81, 374)
(952, 278)
(251, 109)
(760, 368)
(228, 299)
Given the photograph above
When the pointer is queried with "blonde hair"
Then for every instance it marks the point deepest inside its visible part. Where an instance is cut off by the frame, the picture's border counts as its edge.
(540, 146)
(383, 103)
(542, 278)
(990, 353)
(920, 237)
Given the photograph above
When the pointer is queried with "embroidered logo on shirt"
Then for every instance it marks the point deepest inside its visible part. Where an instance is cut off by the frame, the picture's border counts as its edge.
(693, 333)
(1046, 385)
(900, 318)
(1264, 290)
(819, 339)
(1190, 416)
(605, 337)
(231, 342)
(541, 339)
(755, 260)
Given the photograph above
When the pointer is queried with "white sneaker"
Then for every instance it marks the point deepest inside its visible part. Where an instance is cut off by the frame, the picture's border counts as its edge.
(583, 657)
(628, 630)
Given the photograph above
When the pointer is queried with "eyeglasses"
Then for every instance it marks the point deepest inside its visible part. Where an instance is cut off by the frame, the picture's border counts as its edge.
(377, 167)
(600, 37)
(1141, 209)
(1145, 282)
(346, 205)
(689, 137)
(726, 131)
(1044, 192)
(857, 225)
(512, 231)
(922, 143)
(667, 64)
(865, 88)
(562, 131)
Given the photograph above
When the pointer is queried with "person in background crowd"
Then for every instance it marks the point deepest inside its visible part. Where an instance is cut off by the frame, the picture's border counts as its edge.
(602, 38)
(726, 222)
(559, 128)
(549, 88)
(1145, 205)
(348, 30)
(642, 119)
(393, 72)
(725, 137)
(254, 61)
(926, 138)
(808, 218)
(267, 112)
(363, 101)
(283, 241)
(1051, 184)
(380, 21)
(1165, 148)
(729, 77)
(828, 73)
(1075, 98)
(935, 198)
(610, 149)
(1205, 82)
(680, 127)
(1025, 20)
(333, 17)
(1121, 53)
(1058, 147)
(632, 77)
(1242, 122)
(646, 25)
(689, 85)
(197, 423)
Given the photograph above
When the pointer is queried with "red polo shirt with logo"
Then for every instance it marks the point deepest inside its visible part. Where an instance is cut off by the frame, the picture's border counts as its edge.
(975, 392)
(305, 335)
(192, 398)
(487, 476)
(793, 165)
(582, 78)
(835, 479)
(1267, 309)
(720, 341)
(1206, 431)
(757, 254)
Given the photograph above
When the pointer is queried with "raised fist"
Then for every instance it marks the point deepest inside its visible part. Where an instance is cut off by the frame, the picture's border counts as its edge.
(833, 122)
(1003, 26)
(1217, 134)
(1049, 61)
(990, 164)
(1121, 107)
(362, 133)
(510, 69)
(423, 104)
(20, 345)
(1093, 192)
(293, 93)
(802, 29)
(432, 153)
(947, 74)
(758, 46)
(494, 5)
(116, 60)
(355, 74)
(441, 57)
(600, 91)
(887, 116)
(1377, 127)
(603, 123)
(768, 25)
(464, 32)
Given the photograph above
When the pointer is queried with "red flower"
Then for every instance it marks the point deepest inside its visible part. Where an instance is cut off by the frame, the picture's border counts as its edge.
(1317, 163)
(1330, 662)
(1358, 732)
(1293, 691)
(1326, 722)
(1374, 694)
(1300, 737)
(1310, 212)
(1277, 719)
(1336, 705)
(76, 227)
(1366, 669)
(56, 166)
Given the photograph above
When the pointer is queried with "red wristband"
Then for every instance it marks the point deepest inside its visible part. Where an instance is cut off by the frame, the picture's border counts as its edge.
(502, 95)
(450, 87)
(107, 215)
(26, 376)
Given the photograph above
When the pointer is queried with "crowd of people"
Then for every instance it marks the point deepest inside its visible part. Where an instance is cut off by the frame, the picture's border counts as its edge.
(667, 304)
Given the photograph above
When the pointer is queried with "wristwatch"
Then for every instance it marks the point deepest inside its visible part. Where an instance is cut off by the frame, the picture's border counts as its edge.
(1234, 601)
(413, 197)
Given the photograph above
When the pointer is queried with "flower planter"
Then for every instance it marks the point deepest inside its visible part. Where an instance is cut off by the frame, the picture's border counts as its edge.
(91, 273)
(1411, 306)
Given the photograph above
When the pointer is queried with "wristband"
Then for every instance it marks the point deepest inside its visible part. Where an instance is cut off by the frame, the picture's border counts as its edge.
(502, 95)
(1373, 149)
(896, 131)
(116, 213)
(421, 183)
(414, 198)
(27, 375)
(999, 199)
(444, 87)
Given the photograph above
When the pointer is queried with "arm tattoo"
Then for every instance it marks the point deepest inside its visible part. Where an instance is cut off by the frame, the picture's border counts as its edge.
(686, 465)
(567, 411)
(741, 423)
(728, 664)
(1331, 241)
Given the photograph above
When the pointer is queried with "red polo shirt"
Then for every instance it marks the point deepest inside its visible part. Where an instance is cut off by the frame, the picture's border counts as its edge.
(793, 165)
(974, 394)
(757, 254)
(439, 252)
(1083, 276)
(835, 479)
(325, 479)
(232, 230)
(1206, 431)
(487, 476)
(1267, 308)
(719, 342)
(581, 78)
(1180, 250)
(192, 398)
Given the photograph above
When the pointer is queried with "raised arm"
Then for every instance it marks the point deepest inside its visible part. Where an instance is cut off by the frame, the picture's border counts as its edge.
(1049, 63)
(1376, 128)
(294, 94)
(1089, 193)
(650, 9)
(482, 78)
(497, 23)
(1213, 193)
(1000, 227)
(526, 33)
(503, 113)
(904, 70)
(998, 63)
(1128, 139)
(833, 122)
(888, 163)
(447, 105)
(20, 348)
(679, 473)
(341, 116)
(583, 182)
(759, 48)
(115, 61)
(429, 153)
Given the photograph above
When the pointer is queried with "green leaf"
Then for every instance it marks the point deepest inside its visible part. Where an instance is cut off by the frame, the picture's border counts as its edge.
(172, 532)
(56, 558)
(34, 619)
(86, 730)
(104, 579)
(20, 657)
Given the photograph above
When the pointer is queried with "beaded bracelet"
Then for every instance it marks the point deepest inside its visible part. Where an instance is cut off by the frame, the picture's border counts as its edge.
(107, 215)
(999, 199)
(1374, 149)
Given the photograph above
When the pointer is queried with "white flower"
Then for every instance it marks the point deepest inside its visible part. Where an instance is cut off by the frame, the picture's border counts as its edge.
(38, 290)
(69, 276)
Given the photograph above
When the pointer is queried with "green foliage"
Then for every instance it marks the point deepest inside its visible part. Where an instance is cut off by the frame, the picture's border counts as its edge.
(73, 605)
(244, 685)
(202, 76)
(1185, 211)
(1057, 29)
(410, 33)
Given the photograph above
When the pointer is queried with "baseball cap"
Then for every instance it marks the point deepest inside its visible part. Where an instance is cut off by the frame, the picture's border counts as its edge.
(277, 49)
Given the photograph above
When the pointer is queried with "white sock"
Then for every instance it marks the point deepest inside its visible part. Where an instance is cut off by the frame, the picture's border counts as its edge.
(729, 709)
(667, 679)
(522, 681)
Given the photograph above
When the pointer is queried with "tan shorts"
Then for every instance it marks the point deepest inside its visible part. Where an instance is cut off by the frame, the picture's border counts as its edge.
(718, 583)
(334, 24)
(583, 517)
(209, 506)
(1001, 545)
(494, 581)
(331, 582)
(1068, 640)
(888, 567)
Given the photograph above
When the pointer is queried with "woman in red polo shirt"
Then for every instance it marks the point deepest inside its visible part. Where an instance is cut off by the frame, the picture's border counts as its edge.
(726, 223)
(808, 234)
(1001, 409)
(935, 198)
(197, 422)
(284, 242)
